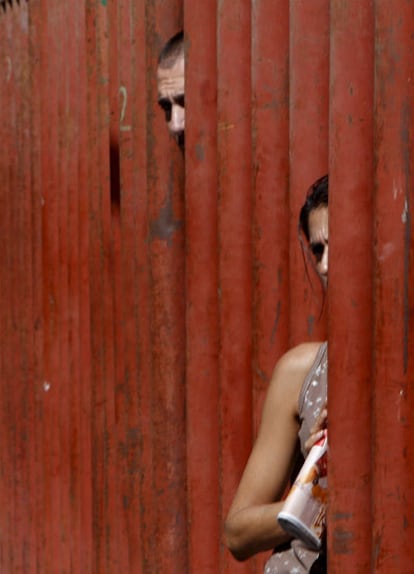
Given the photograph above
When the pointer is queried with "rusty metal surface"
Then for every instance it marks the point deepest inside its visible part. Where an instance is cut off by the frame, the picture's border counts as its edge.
(145, 297)
(350, 285)
(393, 454)
(202, 297)
(235, 250)
(270, 148)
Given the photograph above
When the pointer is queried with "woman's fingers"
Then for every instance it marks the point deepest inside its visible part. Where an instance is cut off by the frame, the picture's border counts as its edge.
(317, 431)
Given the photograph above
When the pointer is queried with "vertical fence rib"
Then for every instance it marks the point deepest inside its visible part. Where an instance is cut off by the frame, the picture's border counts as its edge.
(167, 272)
(84, 286)
(132, 297)
(36, 80)
(135, 211)
(9, 358)
(270, 95)
(51, 486)
(235, 229)
(350, 286)
(393, 447)
(70, 155)
(202, 288)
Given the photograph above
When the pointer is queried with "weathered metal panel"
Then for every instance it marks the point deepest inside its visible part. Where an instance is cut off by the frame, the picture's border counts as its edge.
(6, 283)
(142, 313)
(85, 440)
(202, 297)
(101, 284)
(235, 247)
(350, 285)
(36, 78)
(270, 149)
(128, 184)
(167, 283)
(16, 285)
(134, 216)
(393, 399)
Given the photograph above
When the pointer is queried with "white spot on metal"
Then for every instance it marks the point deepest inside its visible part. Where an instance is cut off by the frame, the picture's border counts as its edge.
(396, 190)
(387, 251)
(46, 386)
(404, 215)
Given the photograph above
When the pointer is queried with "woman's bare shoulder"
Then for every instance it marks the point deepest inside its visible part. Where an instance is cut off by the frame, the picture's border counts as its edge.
(292, 368)
(300, 357)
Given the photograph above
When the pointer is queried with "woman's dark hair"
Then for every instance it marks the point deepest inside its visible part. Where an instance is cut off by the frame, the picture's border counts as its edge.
(316, 196)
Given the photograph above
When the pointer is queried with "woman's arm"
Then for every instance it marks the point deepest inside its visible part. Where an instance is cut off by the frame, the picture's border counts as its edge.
(251, 524)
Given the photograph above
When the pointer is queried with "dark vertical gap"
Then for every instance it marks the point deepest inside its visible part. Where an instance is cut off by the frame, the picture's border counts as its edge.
(115, 176)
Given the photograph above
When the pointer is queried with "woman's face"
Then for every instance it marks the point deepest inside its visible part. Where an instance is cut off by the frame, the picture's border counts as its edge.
(318, 241)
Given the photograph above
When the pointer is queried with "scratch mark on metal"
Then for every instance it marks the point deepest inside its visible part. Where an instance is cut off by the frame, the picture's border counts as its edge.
(399, 401)
(396, 189)
(404, 215)
(9, 68)
(311, 323)
(223, 127)
(276, 323)
(405, 120)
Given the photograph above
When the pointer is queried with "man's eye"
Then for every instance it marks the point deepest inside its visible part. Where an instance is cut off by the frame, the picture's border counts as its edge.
(317, 250)
(180, 100)
(167, 107)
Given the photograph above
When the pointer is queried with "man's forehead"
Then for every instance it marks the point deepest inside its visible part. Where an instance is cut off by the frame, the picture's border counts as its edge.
(173, 76)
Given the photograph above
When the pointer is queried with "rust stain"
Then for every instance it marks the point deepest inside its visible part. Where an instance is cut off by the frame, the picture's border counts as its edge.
(276, 323)
(342, 541)
(377, 548)
(199, 149)
(311, 324)
(165, 225)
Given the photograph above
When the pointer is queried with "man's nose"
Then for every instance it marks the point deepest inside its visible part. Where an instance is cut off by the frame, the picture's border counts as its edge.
(323, 264)
(177, 121)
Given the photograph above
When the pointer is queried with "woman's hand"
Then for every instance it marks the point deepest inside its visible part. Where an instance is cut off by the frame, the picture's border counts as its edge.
(317, 431)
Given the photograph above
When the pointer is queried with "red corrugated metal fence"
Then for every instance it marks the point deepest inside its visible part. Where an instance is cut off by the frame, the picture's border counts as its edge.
(145, 297)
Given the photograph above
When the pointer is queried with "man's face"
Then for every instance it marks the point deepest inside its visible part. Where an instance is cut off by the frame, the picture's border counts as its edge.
(171, 98)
